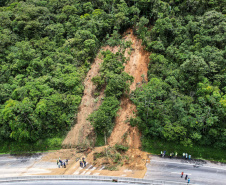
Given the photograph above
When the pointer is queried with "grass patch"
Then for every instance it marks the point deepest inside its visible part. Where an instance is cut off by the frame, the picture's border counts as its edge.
(41, 145)
(121, 148)
(111, 168)
(98, 155)
(100, 140)
(117, 157)
(199, 152)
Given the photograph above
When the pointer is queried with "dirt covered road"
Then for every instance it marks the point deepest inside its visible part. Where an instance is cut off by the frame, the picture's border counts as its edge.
(45, 164)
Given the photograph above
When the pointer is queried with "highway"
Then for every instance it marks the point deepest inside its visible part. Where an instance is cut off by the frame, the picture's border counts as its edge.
(159, 169)
(61, 182)
(170, 170)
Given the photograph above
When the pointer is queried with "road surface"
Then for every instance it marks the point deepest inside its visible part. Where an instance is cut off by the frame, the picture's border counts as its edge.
(61, 182)
(158, 169)
(170, 170)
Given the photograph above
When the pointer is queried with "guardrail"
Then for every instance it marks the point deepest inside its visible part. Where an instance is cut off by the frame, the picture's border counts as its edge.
(90, 178)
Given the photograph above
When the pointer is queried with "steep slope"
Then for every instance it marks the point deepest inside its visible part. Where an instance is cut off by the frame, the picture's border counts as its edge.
(137, 66)
(82, 133)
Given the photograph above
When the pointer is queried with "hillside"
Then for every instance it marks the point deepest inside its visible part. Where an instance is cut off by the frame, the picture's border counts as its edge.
(57, 82)
(132, 161)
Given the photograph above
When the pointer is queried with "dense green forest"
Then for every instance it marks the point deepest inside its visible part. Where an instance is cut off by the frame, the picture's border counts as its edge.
(46, 48)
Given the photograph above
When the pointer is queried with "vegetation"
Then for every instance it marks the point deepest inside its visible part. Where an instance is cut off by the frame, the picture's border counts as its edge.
(184, 100)
(47, 46)
(45, 52)
(116, 84)
(196, 152)
(121, 148)
(15, 147)
(112, 157)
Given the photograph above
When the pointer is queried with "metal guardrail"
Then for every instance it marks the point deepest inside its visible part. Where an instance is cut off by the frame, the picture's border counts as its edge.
(90, 178)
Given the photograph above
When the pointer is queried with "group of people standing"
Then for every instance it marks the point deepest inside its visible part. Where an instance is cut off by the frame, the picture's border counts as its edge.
(172, 154)
(186, 156)
(186, 177)
(62, 163)
(82, 162)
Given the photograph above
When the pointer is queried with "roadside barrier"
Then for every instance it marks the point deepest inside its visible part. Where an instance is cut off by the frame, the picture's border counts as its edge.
(91, 178)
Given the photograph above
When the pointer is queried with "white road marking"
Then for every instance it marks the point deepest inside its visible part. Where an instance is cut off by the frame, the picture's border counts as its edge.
(180, 173)
(93, 168)
(102, 168)
(213, 167)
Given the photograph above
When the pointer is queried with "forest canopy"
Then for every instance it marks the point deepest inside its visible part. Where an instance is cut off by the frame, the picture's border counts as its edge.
(46, 48)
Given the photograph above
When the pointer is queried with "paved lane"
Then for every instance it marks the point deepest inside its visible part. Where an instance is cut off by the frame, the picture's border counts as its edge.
(61, 182)
(170, 170)
(12, 166)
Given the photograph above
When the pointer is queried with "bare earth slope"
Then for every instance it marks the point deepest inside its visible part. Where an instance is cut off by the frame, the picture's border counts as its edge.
(82, 133)
(137, 66)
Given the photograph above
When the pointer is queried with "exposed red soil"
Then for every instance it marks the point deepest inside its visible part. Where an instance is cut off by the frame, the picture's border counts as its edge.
(82, 135)
(137, 66)
(133, 165)
(133, 161)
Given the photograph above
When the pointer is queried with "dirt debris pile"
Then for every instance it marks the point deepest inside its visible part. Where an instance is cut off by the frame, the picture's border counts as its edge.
(105, 160)
(122, 156)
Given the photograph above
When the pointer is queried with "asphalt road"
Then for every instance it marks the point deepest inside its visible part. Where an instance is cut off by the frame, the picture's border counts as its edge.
(158, 169)
(13, 166)
(170, 170)
(61, 182)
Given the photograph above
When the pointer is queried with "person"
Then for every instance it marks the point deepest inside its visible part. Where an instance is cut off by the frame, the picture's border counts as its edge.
(67, 161)
(182, 174)
(183, 155)
(161, 153)
(186, 156)
(170, 155)
(64, 165)
(164, 153)
(189, 157)
(175, 154)
(58, 163)
(188, 180)
(186, 177)
(81, 164)
(61, 162)
(84, 162)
